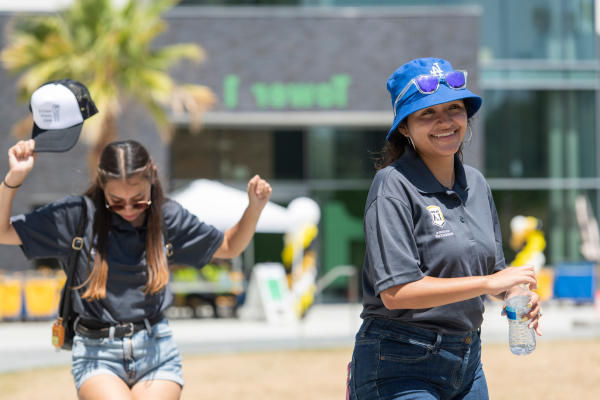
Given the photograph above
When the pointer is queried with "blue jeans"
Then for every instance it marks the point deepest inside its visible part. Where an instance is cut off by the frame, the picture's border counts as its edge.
(141, 357)
(394, 360)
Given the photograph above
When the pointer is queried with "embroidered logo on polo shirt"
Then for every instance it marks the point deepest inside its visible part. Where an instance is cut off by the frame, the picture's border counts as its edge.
(436, 216)
(444, 233)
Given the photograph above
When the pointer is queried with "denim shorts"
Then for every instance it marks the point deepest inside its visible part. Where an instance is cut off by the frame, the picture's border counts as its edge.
(394, 360)
(141, 357)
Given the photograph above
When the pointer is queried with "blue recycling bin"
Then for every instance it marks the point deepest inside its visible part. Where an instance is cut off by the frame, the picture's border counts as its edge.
(575, 281)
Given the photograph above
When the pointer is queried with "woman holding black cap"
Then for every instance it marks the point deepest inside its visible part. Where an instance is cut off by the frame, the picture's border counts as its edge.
(123, 347)
(434, 249)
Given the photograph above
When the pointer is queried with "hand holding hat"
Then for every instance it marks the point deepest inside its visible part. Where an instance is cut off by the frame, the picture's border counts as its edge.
(59, 109)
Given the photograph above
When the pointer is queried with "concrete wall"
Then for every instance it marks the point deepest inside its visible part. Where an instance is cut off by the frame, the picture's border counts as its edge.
(290, 46)
(311, 45)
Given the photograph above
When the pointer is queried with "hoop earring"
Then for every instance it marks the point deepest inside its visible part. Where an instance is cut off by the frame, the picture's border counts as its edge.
(470, 136)
(411, 143)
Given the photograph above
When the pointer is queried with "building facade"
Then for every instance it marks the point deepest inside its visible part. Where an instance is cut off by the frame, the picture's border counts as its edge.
(537, 65)
(303, 103)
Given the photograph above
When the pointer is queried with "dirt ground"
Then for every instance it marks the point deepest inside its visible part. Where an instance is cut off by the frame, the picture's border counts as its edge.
(556, 370)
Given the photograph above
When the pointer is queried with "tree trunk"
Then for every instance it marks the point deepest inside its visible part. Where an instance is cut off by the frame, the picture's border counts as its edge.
(108, 134)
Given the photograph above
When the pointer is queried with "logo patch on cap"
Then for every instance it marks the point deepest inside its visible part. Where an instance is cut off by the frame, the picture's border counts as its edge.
(436, 70)
(436, 216)
(59, 109)
(55, 107)
(56, 112)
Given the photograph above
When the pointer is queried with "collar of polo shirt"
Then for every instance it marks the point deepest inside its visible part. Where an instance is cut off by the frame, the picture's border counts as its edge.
(123, 225)
(421, 177)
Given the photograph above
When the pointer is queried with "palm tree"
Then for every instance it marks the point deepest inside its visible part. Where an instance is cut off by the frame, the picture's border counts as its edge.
(109, 50)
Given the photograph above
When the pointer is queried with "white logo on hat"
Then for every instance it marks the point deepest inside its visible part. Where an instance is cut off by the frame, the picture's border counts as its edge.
(51, 102)
(56, 112)
(436, 70)
(436, 216)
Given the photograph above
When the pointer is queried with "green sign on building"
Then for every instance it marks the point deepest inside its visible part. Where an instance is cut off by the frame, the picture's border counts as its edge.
(296, 95)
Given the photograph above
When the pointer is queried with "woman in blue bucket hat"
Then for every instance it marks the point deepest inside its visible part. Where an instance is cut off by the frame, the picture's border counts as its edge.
(434, 248)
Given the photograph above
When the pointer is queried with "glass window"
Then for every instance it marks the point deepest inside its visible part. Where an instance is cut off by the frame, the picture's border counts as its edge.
(312, 153)
(553, 29)
(533, 29)
(223, 154)
(556, 210)
(540, 134)
(338, 153)
(289, 154)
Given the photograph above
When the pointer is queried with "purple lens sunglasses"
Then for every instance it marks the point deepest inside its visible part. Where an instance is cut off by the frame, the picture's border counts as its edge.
(428, 84)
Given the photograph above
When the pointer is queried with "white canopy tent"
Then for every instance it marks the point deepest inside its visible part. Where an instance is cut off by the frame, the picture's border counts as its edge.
(222, 206)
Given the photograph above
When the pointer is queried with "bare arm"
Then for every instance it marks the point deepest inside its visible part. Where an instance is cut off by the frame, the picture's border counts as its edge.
(237, 238)
(21, 159)
(500, 296)
(433, 292)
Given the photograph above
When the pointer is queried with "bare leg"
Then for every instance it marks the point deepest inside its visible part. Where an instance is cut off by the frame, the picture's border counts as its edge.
(104, 387)
(156, 389)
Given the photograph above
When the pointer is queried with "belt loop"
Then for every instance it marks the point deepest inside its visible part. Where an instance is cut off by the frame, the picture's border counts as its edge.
(148, 327)
(111, 333)
(366, 328)
(436, 346)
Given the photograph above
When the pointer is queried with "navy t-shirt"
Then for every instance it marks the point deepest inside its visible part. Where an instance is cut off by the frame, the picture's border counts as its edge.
(415, 227)
(49, 231)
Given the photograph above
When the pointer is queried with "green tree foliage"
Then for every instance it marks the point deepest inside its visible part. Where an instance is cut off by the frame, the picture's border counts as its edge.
(109, 50)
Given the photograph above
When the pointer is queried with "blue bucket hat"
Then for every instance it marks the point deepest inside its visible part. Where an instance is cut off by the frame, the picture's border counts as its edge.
(413, 100)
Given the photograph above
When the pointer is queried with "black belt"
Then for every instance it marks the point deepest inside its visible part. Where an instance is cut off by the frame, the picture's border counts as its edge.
(99, 330)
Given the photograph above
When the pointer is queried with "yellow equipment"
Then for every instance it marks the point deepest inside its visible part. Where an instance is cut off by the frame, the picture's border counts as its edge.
(12, 295)
(302, 278)
(527, 236)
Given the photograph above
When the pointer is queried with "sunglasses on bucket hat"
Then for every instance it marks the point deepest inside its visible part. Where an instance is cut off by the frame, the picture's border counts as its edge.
(430, 83)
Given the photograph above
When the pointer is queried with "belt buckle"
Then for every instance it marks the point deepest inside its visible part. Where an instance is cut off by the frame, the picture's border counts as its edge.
(132, 330)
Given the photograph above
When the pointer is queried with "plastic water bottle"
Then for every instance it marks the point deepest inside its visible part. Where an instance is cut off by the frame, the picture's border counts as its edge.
(520, 337)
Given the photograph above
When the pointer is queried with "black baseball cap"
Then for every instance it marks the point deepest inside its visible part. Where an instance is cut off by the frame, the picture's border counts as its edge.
(59, 109)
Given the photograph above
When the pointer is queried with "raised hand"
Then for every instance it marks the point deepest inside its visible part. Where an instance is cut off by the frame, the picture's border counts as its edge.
(259, 192)
(21, 159)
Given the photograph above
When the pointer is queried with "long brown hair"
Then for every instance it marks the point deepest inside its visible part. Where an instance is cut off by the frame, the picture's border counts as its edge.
(123, 161)
(394, 148)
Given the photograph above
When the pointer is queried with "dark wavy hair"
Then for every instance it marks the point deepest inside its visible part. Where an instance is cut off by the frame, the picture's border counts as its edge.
(123, 161)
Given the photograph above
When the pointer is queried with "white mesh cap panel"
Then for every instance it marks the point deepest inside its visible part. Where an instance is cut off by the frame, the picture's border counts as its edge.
(55, 107)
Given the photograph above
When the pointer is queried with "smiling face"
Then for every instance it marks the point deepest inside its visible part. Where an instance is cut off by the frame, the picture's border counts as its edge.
(437, 131)
(120, 193)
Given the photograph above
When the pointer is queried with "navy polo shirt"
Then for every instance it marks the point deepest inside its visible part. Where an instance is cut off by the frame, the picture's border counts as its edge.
(49, 231)
(415, 227)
